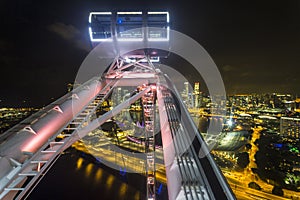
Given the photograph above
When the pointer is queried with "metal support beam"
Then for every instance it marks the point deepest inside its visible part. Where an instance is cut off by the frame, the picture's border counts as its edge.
(98, 122)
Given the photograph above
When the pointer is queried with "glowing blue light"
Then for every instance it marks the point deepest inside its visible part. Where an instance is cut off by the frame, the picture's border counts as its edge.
(159, 189)
(278, 145)
(98, 160)
(122, 172)
(119, 21)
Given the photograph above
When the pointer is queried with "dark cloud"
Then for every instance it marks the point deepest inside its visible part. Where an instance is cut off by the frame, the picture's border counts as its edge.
(228, 68)
(67, 32)
(71, 34)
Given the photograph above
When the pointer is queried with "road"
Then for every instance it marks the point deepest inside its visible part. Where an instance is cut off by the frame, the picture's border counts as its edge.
(239, 180)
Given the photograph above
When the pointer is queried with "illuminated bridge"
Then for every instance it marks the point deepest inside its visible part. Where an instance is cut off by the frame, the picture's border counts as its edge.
(29, 149)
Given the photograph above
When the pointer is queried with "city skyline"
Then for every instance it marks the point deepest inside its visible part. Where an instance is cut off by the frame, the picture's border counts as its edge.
(254, 138)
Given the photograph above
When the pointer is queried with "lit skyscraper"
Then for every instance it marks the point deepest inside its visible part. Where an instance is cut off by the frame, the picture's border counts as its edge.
(290, 127)
(197, 93)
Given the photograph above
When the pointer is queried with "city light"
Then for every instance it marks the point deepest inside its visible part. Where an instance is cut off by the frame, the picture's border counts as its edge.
(135, 131)
(230, 122)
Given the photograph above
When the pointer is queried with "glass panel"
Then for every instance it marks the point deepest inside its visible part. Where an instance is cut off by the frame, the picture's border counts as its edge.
(129, 26)
(101, 26)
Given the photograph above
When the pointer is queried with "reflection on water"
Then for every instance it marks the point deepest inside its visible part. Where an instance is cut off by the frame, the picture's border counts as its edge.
(88, 170)
(79, 163)
(122, 190)
(109, 181)
(98, 174)
(76, 175)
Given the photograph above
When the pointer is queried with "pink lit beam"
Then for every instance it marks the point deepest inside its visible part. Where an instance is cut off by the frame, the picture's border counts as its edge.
(108, 115)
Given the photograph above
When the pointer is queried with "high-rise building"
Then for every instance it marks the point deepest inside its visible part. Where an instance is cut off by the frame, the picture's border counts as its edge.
(116, 96)
(197, 94)
(197, 88)
(191, 96)
(290, 127)
(185, 93)
(186, 88)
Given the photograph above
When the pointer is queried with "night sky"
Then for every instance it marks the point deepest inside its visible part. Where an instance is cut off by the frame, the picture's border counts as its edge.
(255, 44)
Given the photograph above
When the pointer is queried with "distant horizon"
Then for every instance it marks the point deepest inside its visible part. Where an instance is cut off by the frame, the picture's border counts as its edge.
(32, 104)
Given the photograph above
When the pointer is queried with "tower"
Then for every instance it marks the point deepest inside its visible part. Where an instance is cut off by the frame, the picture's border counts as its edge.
(196, 93)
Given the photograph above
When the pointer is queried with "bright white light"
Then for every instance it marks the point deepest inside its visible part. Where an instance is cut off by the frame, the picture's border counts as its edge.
(161, 39)
(101, 40)
(230, 122)
(158, 39)
(168, 28)
(97, 13)
(97, 39)
(130, 39)
(128, 60)
(90, 33)
(163, 13)
(129, 13)
(152, 59)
